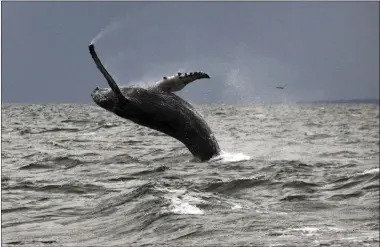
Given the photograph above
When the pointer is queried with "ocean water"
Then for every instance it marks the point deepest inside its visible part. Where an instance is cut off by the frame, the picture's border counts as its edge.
(289, 175)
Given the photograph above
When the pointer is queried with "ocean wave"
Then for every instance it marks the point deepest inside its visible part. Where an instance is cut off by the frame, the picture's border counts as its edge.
(77, 121)
(59, 162)
(66, 188)
(234, 185)
(56, 129)
(126, 185)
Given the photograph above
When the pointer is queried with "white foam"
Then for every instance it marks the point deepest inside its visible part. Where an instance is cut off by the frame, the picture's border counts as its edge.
(88, 134)
(181, 206)
(236, 206)
(173, 191)
(309, 231)
(226, 157)
(181, 202)
(306, 229)
(372, 171)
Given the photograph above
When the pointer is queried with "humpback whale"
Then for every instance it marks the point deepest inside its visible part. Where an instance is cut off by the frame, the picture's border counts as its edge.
(158, 108)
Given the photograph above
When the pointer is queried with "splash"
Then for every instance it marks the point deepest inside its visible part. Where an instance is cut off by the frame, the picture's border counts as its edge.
(182, 206)
(226, 157)
(371, 171)
(251, 77)
(181, 201)
(236, 206)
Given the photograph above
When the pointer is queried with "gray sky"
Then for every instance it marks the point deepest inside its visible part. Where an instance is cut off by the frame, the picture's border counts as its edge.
(323, 50)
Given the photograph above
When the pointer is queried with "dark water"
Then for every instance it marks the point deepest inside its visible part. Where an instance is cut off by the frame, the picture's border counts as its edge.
(290, 175)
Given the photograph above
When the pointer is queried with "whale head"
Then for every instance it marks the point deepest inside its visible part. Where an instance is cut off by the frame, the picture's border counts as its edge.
(105, 98)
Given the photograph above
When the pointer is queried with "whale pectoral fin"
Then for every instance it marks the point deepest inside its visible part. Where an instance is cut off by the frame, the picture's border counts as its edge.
(179, 81)
(110, 80)
(188, 78)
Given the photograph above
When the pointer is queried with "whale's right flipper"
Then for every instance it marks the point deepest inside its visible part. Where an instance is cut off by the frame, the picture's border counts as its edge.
(110, 80)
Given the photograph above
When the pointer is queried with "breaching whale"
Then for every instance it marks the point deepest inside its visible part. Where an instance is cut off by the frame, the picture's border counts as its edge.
(156, 107)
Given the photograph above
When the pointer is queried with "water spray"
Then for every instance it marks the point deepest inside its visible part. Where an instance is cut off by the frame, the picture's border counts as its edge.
(111, 27)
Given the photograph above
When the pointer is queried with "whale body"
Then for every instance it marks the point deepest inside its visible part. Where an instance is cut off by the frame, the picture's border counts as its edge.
(158, 108)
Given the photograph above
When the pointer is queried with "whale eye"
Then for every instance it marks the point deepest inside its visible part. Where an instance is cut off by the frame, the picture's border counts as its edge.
(165, 78)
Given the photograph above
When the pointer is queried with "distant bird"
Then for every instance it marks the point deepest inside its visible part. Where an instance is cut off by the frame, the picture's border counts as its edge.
(282, 87)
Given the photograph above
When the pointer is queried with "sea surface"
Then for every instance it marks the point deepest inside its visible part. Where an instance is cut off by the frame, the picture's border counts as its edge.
(289, 175)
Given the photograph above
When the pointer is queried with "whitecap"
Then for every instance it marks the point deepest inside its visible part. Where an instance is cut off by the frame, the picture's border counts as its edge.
(181, 202)
(371, 171)
(236, 206)
(181, 206)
